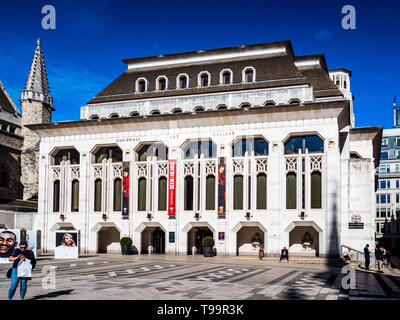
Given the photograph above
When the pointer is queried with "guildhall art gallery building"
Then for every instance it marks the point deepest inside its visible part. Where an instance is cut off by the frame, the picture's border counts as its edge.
(248, 144)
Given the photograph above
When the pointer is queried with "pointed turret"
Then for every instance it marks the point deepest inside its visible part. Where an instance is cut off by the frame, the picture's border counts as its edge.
(37, 85)
(37, 105)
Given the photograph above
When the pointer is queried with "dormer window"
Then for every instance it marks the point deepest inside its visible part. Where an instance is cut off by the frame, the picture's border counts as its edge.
(161, 83)
(294, 101)
(114, 115)
(204, 79)
(134, 114)
(199, 109)
(245, 106)
(269, 103)
(177, 110)
(249, 75)
(182, 81)
(155, 112)
(141, 85)
(94, 117)
(226, 77)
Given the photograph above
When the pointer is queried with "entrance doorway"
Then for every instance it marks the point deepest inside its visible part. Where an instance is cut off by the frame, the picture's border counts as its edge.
(155, 237)
(196, 236)
(249, 240)
(304, 241)
(106, 236)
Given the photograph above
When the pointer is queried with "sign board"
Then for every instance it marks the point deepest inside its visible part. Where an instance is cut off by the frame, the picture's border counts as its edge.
(356, 225)
(171, 187)
(171, 237)
(66, 244)
(125, 190)
(9, 239)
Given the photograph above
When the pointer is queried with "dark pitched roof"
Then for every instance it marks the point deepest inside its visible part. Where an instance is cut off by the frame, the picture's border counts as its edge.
(276, 70)
(5, 101)
(270, 72)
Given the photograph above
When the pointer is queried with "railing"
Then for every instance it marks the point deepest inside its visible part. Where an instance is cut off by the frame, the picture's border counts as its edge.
(358, 256)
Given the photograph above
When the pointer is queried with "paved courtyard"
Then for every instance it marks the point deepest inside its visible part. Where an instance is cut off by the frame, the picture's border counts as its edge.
(164, 277)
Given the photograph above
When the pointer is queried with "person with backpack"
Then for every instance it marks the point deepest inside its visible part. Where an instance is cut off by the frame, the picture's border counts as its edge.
(18, 256)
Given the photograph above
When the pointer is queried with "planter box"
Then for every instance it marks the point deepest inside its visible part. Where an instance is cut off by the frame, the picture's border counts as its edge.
(125, 249)
(208, 251)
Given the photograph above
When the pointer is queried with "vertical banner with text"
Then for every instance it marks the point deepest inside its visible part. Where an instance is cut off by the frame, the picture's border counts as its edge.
(171, 187)
(221, 188)
(125, 190)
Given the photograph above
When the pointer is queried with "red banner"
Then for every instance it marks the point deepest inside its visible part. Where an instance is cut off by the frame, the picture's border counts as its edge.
(171, 187)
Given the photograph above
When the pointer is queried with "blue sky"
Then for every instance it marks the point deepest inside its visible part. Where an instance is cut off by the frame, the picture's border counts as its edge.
(84, 53)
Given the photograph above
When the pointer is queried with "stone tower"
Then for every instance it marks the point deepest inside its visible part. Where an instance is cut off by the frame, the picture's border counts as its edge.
(37, 105)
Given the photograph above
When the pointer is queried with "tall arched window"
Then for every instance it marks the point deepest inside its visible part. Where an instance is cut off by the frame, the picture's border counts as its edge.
(316, 190)
(142, 194)
(98, 184)
(238, 192)
(210, 192)
(162, 194)
(261, 191)
(75, 196)
(188, 193)
(291, 190)
(56, 196)
(117, 203)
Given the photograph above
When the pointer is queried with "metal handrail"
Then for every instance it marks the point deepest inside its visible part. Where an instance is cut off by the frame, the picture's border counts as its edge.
(359, 255)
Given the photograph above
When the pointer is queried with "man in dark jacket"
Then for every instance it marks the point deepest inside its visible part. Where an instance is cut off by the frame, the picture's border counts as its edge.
(18, 255)
(366, 255)
(284, 254)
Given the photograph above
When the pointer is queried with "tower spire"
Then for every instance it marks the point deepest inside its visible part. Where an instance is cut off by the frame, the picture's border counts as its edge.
(37, 84)
(37, 105)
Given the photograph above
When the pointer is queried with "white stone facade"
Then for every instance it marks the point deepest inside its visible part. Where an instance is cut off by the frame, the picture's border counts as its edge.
(347, 184)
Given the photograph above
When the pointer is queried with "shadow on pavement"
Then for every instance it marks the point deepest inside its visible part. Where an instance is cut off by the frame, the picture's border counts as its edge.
(52, 294)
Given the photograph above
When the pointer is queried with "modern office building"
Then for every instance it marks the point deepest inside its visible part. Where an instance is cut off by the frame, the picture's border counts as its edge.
(249, 144)
(388, 187)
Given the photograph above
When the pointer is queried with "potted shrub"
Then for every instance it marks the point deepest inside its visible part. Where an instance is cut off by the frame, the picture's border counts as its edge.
(126, 244)
(208, 244)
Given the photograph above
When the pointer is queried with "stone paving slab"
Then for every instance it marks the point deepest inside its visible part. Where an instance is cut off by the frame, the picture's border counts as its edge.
(110, 277)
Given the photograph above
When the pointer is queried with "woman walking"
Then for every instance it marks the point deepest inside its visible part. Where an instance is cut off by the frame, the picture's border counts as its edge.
(17, 256)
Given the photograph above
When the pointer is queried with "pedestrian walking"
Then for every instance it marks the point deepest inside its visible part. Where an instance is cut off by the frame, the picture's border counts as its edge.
(379, 258)
(366, 256)
(284, 254)
(18, 257)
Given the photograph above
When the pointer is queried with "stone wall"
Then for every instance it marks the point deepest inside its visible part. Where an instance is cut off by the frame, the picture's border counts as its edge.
(32, 113)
